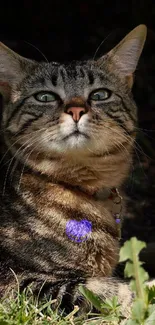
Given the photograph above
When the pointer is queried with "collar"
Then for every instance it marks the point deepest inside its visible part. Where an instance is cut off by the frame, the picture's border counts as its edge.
(117, 201)
(116, 207)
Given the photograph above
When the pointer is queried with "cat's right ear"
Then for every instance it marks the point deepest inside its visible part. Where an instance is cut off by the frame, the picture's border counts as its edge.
(11, 69)
(124, 57)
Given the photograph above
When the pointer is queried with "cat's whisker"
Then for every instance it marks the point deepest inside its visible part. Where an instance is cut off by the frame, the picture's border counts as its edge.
(29, 154)
(100, 46)
(125, 138)
(16, 163)
(22, 148)
(106, 133)
(139, 149)
(16, 156)
(124, 152)
(142, 129)
(135, 148)
(22, 172)
(120, 147)
(53, 123)
(106, 150)
(35, 47)
(7, 172)
(18, 140)
(140, 164)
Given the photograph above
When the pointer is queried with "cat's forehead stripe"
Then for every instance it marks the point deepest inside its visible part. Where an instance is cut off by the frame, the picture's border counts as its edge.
(82, 72)
(90, 77)
(54, 79)
(62, 73)
(75, 71)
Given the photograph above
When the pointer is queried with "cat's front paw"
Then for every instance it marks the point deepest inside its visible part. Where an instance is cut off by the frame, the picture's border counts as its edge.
(109, 287)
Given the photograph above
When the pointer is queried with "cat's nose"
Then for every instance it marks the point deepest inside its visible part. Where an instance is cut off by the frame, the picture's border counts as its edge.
(76, 112)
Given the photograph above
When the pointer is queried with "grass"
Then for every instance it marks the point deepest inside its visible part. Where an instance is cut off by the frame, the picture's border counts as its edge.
(25, 309)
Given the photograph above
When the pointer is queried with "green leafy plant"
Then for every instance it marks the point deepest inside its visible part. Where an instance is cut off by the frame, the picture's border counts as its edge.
(143, 308)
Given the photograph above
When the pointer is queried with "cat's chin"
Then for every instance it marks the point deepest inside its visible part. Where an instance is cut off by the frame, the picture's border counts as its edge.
(71, 143)
(76, 141)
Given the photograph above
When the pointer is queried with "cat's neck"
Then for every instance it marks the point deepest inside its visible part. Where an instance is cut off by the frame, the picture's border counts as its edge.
(89, 174)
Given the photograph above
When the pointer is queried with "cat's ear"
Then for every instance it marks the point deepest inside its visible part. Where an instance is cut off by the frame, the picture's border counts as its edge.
(123, 58)
(11, 69)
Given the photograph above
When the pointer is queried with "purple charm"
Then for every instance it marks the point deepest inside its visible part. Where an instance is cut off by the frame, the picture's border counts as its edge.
(117, 218)
(78, 231)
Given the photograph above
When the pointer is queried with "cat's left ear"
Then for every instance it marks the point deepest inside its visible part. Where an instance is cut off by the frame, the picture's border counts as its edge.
(124, 57)
(13, 68)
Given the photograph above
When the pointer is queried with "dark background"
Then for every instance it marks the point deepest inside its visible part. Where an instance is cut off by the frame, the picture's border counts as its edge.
(63, 31)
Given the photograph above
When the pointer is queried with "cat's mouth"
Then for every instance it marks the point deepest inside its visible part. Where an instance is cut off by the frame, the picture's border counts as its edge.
(76, 134)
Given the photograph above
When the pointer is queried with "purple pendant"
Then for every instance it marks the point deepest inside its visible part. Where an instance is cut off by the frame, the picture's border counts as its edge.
(117, 218)
(78, 231)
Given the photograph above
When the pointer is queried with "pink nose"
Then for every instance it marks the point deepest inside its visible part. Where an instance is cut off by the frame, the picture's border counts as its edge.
(76, 112)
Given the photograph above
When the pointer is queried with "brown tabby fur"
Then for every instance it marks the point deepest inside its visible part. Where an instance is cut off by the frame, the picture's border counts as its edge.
(57, 185)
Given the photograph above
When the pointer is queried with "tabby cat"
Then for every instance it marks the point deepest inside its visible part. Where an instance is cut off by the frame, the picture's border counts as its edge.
(67, 136)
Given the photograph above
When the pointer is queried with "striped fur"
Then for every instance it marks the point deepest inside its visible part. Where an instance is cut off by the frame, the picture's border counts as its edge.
(49, 174)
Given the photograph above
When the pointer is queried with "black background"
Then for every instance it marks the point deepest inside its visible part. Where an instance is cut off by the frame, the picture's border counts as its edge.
(71, 29)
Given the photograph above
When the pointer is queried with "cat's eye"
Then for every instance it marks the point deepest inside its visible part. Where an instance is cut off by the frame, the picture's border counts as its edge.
(46, 97)
(99, 95)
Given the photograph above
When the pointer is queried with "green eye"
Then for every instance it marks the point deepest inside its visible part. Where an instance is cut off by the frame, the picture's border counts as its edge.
(101, 94)
(45, 97)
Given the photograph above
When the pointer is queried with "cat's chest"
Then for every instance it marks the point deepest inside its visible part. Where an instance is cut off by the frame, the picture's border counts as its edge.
(57, 205)
(67, 226)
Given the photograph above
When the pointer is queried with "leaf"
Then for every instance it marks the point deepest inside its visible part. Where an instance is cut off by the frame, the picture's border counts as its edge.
(138, 310)
(108, 304)
(151, 319)
(110, 318)
(131, 322)
(133, 288)
(129, 271)
(130, 246)
(151, 294)
(133, 268)
(91, 297)
(115, 302)
(151, 309)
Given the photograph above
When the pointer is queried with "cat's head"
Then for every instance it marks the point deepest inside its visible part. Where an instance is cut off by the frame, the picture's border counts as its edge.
(83, 108)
